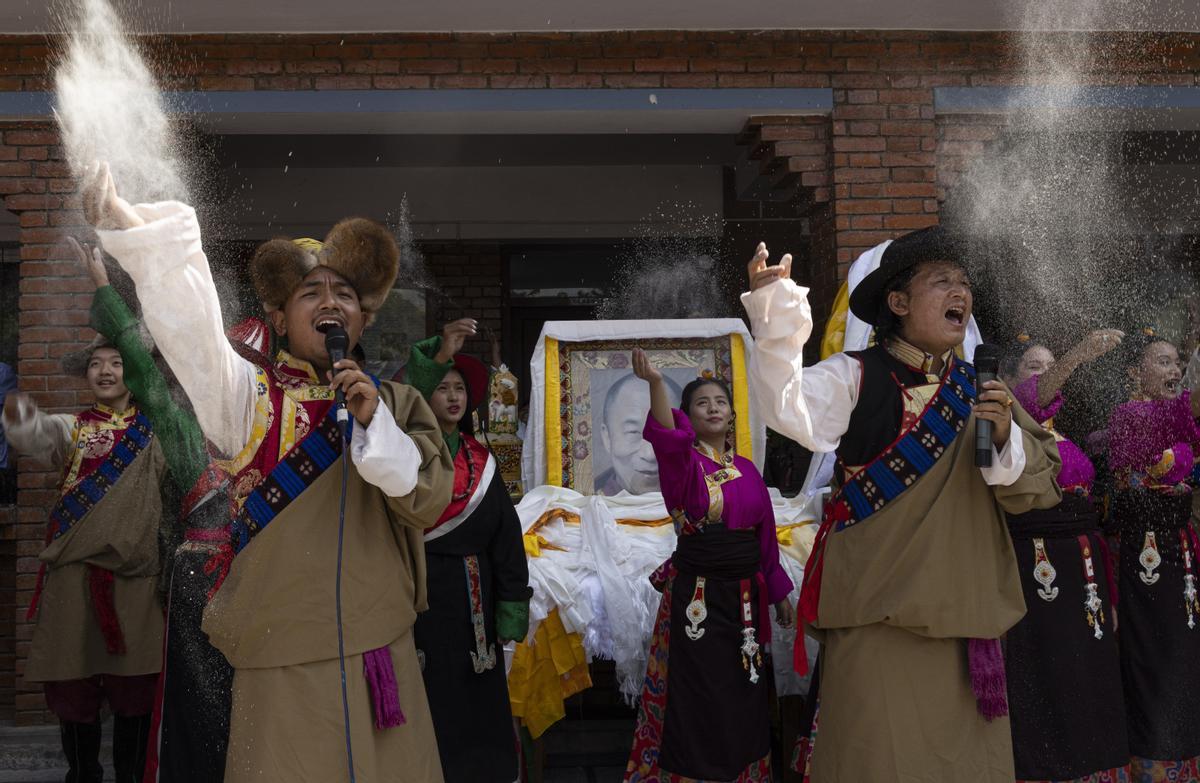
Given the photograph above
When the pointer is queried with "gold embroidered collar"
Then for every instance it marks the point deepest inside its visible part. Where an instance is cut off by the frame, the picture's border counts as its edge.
(916, 358)
(297, 365)
(115, 416)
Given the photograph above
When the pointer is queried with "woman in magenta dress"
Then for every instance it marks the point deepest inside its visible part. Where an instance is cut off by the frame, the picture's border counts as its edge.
(1153, 443)
(1064, 672)
(712, 631)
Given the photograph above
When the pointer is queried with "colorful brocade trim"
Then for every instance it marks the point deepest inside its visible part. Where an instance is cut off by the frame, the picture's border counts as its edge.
(1151, 771)
(80, 499)
(483, 657)
(652, 707)
(914, 453)
(1115, 775)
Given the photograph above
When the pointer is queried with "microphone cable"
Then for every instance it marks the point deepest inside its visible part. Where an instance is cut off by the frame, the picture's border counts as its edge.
(337, 344)
(343, 431)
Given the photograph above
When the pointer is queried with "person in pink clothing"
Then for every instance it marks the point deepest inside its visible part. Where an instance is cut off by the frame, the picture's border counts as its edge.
(1153, 443)
(1062, 657)
(712, 628)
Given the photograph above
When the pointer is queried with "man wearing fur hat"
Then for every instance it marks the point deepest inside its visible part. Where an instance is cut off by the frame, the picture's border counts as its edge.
(912, 578)
(98, 630)
(274, 617)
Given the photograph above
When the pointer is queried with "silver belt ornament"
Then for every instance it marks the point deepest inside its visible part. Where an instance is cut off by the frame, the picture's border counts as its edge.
(1189, 581)
(751, 652)
(483, 657)
(1043, 571)
(696, 611)
(1092, 605)
(1150, 559)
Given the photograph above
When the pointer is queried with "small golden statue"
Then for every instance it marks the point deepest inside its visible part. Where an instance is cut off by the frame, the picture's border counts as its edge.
(502, 427)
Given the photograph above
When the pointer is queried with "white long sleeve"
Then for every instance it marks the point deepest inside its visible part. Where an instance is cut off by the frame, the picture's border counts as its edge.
(385, 455)
(810, 405)
(1009, 462)
(181, 309)
(42, 436)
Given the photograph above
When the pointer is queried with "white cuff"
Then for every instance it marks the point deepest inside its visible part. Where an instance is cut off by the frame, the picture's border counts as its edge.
(140, 250)
(384, 454)
(1009, 463)
(777, 310)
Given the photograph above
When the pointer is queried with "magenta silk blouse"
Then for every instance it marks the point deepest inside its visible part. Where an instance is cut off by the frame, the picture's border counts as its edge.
(1077, 472)
(1141, 431)
(681, 471)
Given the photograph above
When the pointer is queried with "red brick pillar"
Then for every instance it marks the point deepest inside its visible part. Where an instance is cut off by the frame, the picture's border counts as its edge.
(789, 158)
(35, 184)
(962, 139)
(884, 149)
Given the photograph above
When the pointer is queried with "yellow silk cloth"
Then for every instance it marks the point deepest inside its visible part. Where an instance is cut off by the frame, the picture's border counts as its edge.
(546, 673)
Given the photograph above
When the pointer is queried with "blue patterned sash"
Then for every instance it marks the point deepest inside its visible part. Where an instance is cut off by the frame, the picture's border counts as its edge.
(899, 466)
(290, 477)
(82, 498)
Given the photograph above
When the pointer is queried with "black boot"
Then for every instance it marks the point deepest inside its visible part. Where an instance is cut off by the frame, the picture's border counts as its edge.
(81, 746)
(129, 747)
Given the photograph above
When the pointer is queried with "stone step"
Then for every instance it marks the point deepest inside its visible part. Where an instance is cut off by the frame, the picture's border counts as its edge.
(33, 754)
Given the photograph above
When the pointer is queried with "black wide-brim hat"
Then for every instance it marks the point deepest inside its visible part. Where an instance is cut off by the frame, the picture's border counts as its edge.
(927, 244)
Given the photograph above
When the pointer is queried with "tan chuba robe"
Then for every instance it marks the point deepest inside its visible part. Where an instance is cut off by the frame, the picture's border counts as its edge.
(120, 534)
(900, 594)
(274, 619)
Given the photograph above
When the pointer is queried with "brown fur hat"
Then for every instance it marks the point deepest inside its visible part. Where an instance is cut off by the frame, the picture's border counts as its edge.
(358, 249)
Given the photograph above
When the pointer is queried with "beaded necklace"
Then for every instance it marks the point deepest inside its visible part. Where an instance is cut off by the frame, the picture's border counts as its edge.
(470, 477)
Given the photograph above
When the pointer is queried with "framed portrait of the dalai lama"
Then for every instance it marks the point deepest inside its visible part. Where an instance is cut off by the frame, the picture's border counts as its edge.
(593, 408)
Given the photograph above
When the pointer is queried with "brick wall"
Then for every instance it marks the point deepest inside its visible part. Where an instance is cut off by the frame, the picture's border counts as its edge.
(55, 295)
(890, 162)
(471, 282)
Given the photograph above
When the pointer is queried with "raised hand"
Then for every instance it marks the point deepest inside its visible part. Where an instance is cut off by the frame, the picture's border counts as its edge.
(660, 405)
(1098, 343)
(644, 368)
(89, 258)
(18, 407)
(102, 207)
(760, 274)
(454, 334)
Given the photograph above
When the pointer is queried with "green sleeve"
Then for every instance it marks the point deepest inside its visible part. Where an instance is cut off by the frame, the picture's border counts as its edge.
(512, 620)
(424, 374)
(182, 441)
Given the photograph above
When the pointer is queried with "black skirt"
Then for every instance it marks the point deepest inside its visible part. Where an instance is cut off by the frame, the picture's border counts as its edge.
(469, 704)
(1064, 683)
(1160, 651)
(717, 721)
(191, 732)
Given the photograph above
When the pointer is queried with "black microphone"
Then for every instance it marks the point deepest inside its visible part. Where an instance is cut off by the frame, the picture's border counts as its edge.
(987, 364)
(337, 342)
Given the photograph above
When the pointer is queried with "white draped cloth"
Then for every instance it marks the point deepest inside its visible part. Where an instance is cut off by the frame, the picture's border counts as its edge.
(598, 575)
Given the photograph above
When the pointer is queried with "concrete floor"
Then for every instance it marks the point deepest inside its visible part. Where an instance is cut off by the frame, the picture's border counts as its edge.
(575, 752)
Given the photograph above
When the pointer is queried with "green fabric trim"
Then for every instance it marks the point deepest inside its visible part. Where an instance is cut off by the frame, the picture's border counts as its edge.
(512, 620)
(453, 441)
(177, 429)
(423, 373)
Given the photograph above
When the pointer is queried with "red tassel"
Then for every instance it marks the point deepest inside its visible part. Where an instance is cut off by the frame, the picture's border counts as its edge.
(37, 594)
(100, 581)
(810, 589)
